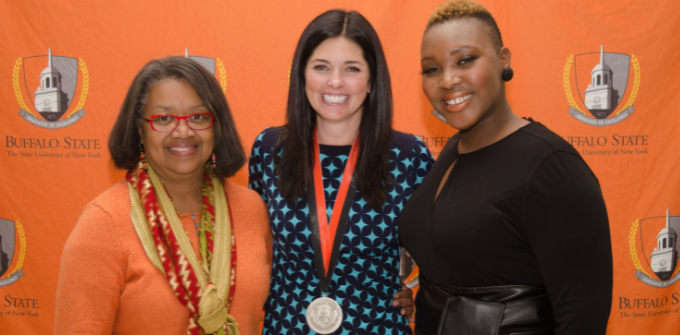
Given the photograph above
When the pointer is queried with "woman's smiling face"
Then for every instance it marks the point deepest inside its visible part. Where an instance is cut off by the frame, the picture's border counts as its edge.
(183, 151)
(337, 80)
(462, 71)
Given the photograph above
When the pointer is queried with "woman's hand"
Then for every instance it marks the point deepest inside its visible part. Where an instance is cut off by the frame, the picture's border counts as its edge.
(404, 299)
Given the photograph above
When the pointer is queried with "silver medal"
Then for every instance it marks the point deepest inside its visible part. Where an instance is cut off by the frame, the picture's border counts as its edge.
(324, 315)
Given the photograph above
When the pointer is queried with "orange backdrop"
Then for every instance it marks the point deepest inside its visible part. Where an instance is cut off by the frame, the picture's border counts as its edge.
(49, 169)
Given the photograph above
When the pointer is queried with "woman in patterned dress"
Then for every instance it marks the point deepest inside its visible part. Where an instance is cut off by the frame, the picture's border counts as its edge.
(339, 91)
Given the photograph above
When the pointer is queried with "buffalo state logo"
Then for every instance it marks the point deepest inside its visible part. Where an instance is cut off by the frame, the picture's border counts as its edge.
(657, 239)
(12, 241)
(601, 82)
(50, 83)
(213, 65)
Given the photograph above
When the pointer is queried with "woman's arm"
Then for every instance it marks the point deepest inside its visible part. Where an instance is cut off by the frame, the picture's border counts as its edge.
(564, 219)
(91, 277)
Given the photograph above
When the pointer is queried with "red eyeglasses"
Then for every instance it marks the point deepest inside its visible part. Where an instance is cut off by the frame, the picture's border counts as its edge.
(165, 123)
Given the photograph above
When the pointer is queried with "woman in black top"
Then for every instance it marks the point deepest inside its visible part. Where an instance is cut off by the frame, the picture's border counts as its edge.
(509, 229)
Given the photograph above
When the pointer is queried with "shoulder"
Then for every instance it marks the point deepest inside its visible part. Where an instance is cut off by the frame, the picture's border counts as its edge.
(531, 146)
(262, 147)
(241, 196)
(404, 142)
(247, 207)
(267, 138)
(103, 220)
(544, 139)
(556, 154)
(402, 139)
(410, 145)
(113, 203)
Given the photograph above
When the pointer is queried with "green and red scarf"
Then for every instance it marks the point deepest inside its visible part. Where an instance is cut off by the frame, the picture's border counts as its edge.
(206, 287)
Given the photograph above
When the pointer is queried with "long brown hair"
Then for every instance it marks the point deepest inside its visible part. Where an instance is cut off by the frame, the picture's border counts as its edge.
(296, 162)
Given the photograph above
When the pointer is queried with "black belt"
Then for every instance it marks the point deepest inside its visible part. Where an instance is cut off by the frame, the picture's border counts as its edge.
(492, 310)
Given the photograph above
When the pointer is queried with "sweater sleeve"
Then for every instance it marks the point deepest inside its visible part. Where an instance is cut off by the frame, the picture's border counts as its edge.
(564, 219)
(92, 276)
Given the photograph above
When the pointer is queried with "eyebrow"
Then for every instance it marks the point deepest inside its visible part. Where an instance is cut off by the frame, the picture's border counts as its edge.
(453, 52)
(166, 108)
(328, 62)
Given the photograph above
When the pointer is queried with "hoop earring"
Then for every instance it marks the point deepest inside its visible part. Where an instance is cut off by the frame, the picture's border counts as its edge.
(507, 74)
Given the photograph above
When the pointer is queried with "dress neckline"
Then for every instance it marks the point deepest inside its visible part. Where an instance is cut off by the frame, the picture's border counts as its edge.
(335, 150)
(448, 157)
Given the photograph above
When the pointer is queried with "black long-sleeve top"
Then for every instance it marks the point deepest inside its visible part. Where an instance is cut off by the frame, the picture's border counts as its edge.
(526, 210)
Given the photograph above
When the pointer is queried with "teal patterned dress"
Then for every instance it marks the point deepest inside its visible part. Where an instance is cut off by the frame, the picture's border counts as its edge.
(367, 275)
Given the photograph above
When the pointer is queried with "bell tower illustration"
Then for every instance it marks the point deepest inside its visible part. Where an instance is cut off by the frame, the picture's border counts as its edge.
(665, 255)
(48, 96)
(600, 92)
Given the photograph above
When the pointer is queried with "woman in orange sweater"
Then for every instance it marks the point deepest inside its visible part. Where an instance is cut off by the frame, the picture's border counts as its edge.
(157, 253)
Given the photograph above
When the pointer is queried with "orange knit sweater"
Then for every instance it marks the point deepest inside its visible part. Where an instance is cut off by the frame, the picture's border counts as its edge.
(107, 285)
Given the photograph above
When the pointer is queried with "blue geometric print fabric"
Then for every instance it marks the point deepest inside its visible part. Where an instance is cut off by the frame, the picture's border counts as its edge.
(367, 275)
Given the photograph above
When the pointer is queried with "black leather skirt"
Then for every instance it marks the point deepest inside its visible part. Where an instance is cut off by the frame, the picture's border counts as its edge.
(493, 310)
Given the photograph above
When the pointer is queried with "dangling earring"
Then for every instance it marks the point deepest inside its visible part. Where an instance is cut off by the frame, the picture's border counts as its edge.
(507, 74)
(439, 116)
(142, 156)
(214, 163)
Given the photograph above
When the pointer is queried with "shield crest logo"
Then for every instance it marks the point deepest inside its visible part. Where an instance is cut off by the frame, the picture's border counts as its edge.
(657, 240)
(50, 83)
(601, 81)
(7, 237)
(603, 95)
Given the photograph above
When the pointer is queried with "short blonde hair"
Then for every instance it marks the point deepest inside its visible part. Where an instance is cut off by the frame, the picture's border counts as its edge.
(460, 9)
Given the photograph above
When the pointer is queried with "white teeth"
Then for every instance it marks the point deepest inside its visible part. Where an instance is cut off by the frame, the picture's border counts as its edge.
(182, 149)
(334, 99)
(458, 100)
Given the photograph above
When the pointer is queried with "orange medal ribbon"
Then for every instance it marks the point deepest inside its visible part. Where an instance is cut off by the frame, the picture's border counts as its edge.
(328, 231)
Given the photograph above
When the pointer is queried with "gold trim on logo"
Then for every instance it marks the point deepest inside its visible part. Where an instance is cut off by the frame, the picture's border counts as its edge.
(567, 84)
(633, 249)
(83, 92)
(22, 243)
(223, 75)
(17, 90)
(636, 84)
(84, 89)
(631, 97)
